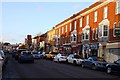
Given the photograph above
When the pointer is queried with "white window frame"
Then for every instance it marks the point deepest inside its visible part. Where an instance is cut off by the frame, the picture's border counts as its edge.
(93, 33)
(119, 24)
(105, 12)
(62, 30)
(75, 25)
(59, 31)
(96, 34)
(80, 22)
(95, 16)
(87, 20)
(117, 6)
(114, 29)
(70, 26)
(104, 31)
(66, 28)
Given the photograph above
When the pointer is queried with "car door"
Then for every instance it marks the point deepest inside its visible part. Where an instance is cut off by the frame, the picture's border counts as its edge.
(116, 67)
(89, 62)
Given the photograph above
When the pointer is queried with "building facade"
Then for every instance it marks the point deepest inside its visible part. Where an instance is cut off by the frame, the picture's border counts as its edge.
(94, 31)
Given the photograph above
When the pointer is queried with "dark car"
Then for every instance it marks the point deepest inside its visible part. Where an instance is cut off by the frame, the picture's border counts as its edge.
(36, 55)
(18, 53)
(26, 56)
(113, 67)
(3, 59)
(14, 53)
(94, 63)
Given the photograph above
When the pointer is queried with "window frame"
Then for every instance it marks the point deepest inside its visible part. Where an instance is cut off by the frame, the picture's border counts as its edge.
(70, 26)
(87, 20)
(105, 12)
(114, 29)
(80, 22)
(117, 6)
(93, 33)
(95, 16)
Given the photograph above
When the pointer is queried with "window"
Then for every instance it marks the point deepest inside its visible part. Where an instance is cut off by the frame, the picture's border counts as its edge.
(117, 6)
(81, 22)
(59, 31)
(56, 32)
(119, 24)
(105, 12)
(105, 30)
(100, 31)
(75, 25)
(87, 20)
(114, 29)
(66, 28)
(95, 16)
(74, 37)
(62, 30)
(87, 36)
(96, 33)
(70, 26)
(83, 36)
(93, 34)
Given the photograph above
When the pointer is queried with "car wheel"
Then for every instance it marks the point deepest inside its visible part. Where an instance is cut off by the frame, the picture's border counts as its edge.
(82, 65)
(93, 67)
(58, 60)
(74, 62)
(109, 70)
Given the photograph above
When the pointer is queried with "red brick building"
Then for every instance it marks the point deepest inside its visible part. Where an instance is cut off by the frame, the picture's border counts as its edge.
(94, 31)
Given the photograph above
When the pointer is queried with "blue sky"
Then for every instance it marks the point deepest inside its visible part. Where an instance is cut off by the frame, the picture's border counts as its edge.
(22, 18)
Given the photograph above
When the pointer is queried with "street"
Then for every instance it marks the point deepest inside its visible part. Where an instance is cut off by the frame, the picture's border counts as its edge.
(49, 69)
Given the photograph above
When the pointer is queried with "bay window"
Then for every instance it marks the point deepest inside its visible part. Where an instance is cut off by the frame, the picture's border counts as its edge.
(103, 30)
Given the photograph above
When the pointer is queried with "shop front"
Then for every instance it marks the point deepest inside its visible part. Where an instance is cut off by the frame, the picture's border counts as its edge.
(94, 49)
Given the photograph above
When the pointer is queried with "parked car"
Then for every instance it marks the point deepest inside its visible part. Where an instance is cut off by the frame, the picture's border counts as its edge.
(94, 63)
(60, 57)
(18, 53)
(51, 55)
(74, 59)
(14, 53)
(113, 67)
(36, 55)
(3, 60)
(26, 56)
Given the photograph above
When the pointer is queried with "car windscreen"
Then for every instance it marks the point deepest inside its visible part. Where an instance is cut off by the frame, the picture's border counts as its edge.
(76, 56)
(34, 53)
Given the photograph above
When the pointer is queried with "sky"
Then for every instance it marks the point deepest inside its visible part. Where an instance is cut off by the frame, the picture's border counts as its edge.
(20, 18)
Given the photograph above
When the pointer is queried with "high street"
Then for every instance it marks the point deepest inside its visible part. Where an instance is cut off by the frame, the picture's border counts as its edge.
(49, 69)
